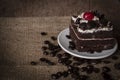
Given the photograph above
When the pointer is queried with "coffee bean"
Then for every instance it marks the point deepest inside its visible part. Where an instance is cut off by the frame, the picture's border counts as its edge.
(106, 69)
(106, 76)
(45, 53)
(70, 71)
(53, 38)
(59, 74)
(52, 47)
(96, 70)
(59, 55)
(65, 74)
(75, 76)
(53, 53)
(95, 61)
(78, 59)
(43, 59)
(114, 57)
(47, 61)
(70, 67)
(46, 42)
(106, 61)
(51, 63)
(83, 69)
(44, 48)
(91, 51)
(71, 47)
(62, 60)
(67, 62)
(117, 66)
(33, 63)
(68, 36)
(83, 77)
(54, 76)
(77, 63)
(90, 69)
(66, 55)
(43, 33)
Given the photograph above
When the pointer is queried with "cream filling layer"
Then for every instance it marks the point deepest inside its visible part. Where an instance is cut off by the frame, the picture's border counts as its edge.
(90, 38)
(94, 30)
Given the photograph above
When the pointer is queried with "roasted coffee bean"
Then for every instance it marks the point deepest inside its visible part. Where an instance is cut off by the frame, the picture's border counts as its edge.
(68, 36)
(44, 48)
(114, 57)
(54, 76)
(52, 47)
(43, 59)
(66, 55)
(43, 33)
(75, 76)
(67, 62)
(117, 66)
(53, 38)
(90, 69)
(53, 53)
(95, 61)
(47, 61)
(106, 61)
(45, 53)
(70, 67)
(106, 69)
(70, 71)
(33, 63)
(78, 59)
(59, 55)
(71, 47)
(91, 51)
(83, 69)
(46, 42)
(83, 77)
(106, 76)
(51, 63)
(96, 70)
(75, 69)
(59, 74)
(65, 74)
(71, 43)
(62, 60)
(76, 63)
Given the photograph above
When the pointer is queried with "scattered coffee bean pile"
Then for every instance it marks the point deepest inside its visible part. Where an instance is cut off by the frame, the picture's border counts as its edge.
(77, 68)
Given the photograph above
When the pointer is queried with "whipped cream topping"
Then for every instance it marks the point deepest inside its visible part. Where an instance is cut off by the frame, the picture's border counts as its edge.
(90, 38)
(95, 18)
(94, 30)
(82, 18)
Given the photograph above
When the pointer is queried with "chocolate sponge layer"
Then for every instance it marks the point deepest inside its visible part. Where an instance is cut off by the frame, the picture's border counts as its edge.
(95, 45)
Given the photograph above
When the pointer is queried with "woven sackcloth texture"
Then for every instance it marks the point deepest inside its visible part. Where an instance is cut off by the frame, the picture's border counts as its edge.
(21, 42)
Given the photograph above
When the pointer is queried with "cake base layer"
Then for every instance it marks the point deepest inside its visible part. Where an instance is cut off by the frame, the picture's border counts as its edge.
(91, 44)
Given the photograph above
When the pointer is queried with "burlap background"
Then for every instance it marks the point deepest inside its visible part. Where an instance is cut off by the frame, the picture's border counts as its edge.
(20, 39)
(20, 43)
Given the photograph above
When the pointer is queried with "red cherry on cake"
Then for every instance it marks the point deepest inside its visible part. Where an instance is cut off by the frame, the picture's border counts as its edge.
(88, 15)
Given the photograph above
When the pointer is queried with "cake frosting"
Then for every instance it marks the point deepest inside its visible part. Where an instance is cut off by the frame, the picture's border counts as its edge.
(95, 19)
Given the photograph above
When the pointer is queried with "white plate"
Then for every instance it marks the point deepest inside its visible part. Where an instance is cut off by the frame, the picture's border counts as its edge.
(64, 43)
